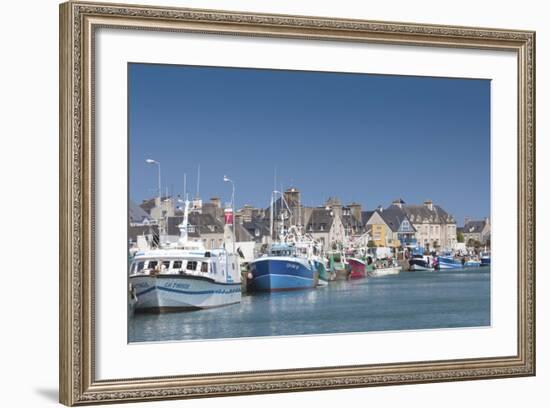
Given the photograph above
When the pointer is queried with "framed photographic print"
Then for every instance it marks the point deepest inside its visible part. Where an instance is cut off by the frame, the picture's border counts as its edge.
(256, 203)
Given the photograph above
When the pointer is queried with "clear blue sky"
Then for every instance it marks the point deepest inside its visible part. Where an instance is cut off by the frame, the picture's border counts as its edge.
(363, 138)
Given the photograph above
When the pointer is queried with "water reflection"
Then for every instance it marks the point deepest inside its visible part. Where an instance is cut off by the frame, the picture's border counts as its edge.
(416, 300)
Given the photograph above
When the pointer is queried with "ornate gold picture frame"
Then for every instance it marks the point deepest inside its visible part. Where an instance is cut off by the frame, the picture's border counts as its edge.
(78, 24)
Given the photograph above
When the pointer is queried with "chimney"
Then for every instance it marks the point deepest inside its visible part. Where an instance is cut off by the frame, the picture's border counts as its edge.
(487, 221)
(335, 205)
(429, 204)
(466, 220)
(292, 197)
(398, 203)
(246, 212)
(380, 208)
(216, 201)
(355, 209)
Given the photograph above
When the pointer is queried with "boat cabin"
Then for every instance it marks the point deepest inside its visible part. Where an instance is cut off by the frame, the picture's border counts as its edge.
(169, 266)
(282, 250)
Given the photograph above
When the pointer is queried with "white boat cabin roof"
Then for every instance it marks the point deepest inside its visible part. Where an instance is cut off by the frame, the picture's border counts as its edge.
(176, 254)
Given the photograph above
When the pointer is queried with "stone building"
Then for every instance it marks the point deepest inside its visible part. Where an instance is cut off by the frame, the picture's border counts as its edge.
(324, 224)
(201, 226)
(435, 228)
(477, 230)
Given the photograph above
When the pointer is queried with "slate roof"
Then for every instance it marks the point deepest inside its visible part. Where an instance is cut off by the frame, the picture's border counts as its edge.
(348, 220)
(474, 227)
(136, 213)
(393, 216)
(420, 213)
(242, 234)
(260, 224)
(320, 220)
(365, 215)
(202, 223)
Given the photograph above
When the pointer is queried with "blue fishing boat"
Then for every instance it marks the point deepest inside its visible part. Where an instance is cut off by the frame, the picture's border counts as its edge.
(282, 269)
(448, 262)
(485, 259)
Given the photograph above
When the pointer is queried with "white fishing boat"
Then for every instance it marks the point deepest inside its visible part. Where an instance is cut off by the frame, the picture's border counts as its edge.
(184, 276)
(384, 267)
(391, 270)
(419, 262)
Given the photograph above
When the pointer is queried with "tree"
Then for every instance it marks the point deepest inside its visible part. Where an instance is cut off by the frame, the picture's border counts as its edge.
(459, 236)
(473, 243)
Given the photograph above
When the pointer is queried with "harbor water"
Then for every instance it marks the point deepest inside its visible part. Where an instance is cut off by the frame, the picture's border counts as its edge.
(406, 301)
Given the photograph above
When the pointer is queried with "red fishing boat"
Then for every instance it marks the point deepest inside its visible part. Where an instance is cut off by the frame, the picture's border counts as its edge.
(357, 268)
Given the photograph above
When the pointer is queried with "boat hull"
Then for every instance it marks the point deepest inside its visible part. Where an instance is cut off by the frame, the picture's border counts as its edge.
(386, 271)
(281, 273)
(341, 274)
(172, 293)
(485, 261)
(417, 267)
(421, 264)
(324, 274)
(357, 269)
(449, 263)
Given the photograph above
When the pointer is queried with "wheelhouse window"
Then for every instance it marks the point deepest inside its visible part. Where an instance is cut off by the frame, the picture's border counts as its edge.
(191, 265)
(152, 264)
(204, 267)
(166, 264)
(140, 266)
(176, 265)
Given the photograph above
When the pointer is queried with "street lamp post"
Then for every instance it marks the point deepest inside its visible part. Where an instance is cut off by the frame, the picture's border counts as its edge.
(228, 180)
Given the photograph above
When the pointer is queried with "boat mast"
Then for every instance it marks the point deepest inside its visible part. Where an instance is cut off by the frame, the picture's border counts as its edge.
(271, 218)
(198, 180)
(183, 227)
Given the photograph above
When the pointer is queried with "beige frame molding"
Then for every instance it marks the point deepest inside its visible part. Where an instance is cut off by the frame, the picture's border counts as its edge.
(78, 21)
